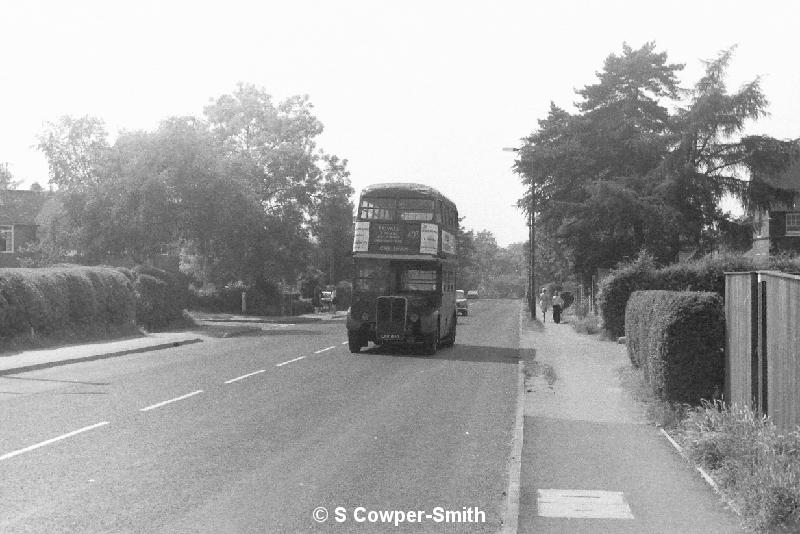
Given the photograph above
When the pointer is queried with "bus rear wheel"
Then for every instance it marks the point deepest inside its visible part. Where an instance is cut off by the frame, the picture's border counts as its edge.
(354, 341)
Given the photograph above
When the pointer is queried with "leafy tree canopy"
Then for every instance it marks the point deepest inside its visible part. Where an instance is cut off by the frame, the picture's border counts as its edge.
(642, 163)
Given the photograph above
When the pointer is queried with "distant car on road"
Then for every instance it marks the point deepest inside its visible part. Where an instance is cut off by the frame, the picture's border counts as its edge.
(462, 306)
(472, 294)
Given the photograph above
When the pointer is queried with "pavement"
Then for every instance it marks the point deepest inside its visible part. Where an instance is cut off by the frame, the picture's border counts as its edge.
(591, 462)
(31, 360)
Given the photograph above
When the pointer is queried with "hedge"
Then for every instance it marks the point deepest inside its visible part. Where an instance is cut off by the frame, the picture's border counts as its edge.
(678, 339)
(44, 301)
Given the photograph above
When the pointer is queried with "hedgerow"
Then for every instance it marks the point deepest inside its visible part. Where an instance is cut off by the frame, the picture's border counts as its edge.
(49, 300)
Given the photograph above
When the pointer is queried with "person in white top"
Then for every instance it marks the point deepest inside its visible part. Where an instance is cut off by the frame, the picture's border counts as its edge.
(544, 304)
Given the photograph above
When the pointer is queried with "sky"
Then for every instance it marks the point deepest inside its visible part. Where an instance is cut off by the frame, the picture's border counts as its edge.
(408, 91)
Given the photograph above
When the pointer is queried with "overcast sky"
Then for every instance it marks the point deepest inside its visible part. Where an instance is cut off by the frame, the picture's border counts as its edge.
(414, 91)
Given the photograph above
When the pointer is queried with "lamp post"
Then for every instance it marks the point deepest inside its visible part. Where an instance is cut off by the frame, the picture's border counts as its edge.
(531, 246)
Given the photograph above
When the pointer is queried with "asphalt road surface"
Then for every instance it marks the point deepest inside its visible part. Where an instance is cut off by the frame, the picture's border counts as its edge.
(259, 433)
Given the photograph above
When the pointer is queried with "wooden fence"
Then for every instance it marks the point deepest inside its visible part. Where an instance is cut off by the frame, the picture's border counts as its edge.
(762, 316)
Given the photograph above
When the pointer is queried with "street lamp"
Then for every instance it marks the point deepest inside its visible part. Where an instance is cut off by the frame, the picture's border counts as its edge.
(532, 247)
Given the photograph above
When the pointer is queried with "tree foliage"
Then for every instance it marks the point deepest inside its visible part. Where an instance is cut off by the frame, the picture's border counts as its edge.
(642, 163)
(242, 192)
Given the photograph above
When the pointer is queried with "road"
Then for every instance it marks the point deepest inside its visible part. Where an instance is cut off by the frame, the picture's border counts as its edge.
(255, 433)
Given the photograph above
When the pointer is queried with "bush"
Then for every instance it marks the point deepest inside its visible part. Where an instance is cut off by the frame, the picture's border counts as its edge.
(615, 289)
(50, 300)
(161, 296)
(678, 338)
(261, 300)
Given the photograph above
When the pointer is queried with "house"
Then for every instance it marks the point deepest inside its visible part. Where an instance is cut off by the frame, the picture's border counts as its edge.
(18, 212)
(776, 228)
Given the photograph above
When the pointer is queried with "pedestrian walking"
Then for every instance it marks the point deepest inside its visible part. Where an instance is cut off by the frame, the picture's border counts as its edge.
(558, 305)
(544, 304)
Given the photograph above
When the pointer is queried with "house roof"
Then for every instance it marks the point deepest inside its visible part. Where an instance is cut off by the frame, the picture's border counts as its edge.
(20, 207)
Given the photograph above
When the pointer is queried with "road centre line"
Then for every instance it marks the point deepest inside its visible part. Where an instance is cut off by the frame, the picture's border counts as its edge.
(289, 361)
(158, 405)
(52, 440)
(326, 348)
(232, 380)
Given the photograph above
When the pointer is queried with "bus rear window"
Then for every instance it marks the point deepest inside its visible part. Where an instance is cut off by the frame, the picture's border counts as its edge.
(418, 280)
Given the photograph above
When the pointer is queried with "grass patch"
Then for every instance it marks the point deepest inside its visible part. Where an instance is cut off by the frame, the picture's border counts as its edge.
(756, 467)
(588, 324)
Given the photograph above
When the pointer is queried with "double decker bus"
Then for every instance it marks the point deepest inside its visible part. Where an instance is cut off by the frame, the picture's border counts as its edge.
(404, 268)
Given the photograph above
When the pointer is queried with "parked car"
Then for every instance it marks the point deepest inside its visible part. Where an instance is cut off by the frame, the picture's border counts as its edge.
(472, 294)
(462, 306)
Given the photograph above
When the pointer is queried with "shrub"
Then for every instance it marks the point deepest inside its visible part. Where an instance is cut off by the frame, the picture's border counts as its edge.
(228, 299)
(614, 290)
(161, 296)
(678, 338)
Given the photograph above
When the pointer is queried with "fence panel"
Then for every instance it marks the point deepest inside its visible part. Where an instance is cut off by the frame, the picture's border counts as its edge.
(740, 338)
(783, 348)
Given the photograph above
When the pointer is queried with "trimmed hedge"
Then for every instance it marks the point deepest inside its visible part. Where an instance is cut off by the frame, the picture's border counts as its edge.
(45, 301)
(678, 339)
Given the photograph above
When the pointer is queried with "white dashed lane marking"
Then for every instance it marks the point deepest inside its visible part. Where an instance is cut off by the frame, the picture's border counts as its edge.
(593, 504)
(160, 404)
(326, 348)
(52, 440)
(289, 361)
(232, 380)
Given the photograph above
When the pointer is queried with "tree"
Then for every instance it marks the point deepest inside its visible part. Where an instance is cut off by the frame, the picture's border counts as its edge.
(623, 174)
(332, 220)
(76, 150)
(706, 161)
(6, 178)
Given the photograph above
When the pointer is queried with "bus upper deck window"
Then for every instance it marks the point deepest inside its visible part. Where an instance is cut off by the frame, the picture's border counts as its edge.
(415, 209)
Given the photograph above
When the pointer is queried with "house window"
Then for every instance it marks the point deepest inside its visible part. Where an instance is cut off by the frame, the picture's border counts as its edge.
(6, 239)
(793, 223)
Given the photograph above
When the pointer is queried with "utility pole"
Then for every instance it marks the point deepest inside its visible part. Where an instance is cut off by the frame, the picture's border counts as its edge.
(531, 245)
(532, 241)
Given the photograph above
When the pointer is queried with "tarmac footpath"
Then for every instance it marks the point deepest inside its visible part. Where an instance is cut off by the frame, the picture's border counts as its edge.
(591, 463)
